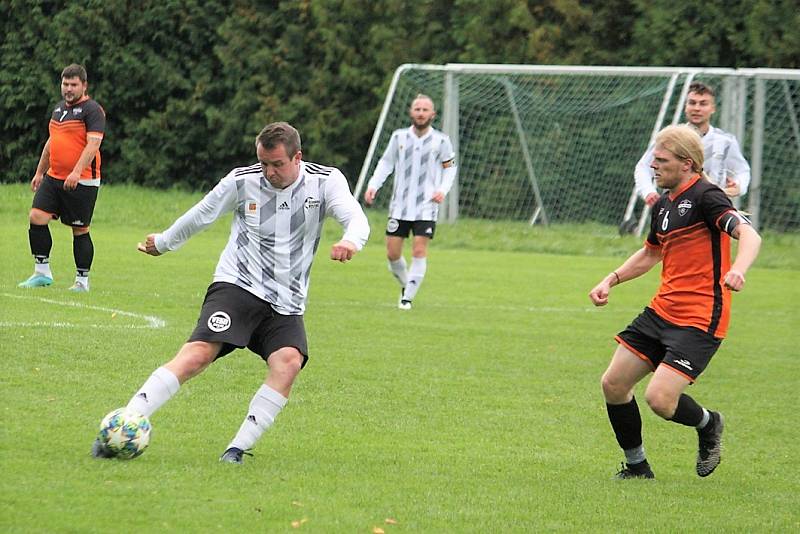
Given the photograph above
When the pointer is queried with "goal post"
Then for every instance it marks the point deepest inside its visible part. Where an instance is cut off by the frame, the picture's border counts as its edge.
(558, 144)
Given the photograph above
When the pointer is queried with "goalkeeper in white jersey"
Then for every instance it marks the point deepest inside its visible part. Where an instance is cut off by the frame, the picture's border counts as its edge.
(258, 294)
(724, 162)
(423, 162)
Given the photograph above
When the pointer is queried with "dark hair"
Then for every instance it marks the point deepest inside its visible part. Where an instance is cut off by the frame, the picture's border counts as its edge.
(701, 89)
(280, 133)
(71, 71)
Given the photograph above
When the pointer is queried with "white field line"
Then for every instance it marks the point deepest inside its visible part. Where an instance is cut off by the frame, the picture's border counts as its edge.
(151, 320)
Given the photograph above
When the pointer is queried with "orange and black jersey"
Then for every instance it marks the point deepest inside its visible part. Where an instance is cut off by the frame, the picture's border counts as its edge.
(68, 128)
(691, 228)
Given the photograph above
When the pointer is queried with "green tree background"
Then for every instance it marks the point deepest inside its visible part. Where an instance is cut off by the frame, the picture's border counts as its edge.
(187, 84)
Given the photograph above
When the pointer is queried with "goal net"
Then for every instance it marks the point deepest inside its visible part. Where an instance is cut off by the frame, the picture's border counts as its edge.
(559, 144)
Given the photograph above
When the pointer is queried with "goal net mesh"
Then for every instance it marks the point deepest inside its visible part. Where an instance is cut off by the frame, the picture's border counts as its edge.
(561, 148)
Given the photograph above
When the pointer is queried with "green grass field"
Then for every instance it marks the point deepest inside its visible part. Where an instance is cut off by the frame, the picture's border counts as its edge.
(478, 411)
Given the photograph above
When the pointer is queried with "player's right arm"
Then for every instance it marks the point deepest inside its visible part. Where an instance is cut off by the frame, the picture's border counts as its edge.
(382, 171)
(219, 200)
(41, 168)
(636, 265)
(643, 176)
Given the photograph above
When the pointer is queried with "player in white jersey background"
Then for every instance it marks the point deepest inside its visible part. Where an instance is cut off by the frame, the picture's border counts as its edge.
(423, 162)
(258, 294)
(724, 162)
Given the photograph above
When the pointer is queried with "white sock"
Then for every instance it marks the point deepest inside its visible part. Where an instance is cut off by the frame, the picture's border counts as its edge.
(158, 389)
(635, 456)
(398, 269)
(415, 275)
(706, 418)
(43, 268)
(264, 408)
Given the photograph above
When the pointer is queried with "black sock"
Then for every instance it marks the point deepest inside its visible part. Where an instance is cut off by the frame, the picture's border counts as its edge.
(41, 242)
(627, 423)
(83, 250)
(688, 412)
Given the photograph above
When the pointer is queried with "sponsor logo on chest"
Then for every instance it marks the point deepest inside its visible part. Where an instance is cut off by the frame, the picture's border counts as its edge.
(311, 203)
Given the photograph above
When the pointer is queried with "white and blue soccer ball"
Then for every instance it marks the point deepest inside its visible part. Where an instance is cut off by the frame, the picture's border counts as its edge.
(125, 433)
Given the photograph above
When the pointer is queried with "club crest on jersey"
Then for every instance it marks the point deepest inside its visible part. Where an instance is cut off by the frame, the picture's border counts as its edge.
(219, 321)
(311, 203)
(684, 206)
(77, 111)
(392, 225)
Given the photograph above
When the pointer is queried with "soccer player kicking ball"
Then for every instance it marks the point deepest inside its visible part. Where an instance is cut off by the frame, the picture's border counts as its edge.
(258, 294)
(678, 333)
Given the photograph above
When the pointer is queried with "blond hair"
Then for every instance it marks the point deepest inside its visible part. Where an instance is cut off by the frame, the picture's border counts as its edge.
(684, 143)
(423, 96)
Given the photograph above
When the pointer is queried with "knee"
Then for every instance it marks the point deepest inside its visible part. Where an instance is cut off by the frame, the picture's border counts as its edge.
(614, 390)
(661, 402)
(419, 250)
(287, 361)
(192, 359)
(39, 217)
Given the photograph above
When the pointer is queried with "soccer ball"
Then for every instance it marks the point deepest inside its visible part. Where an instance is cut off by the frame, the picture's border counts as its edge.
(125, 433)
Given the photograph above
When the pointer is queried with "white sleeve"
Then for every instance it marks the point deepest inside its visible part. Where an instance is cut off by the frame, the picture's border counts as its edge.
(385, 166)
(643, 174)
(737, 166)
(219, 200)
(343, 206)
(448, 162)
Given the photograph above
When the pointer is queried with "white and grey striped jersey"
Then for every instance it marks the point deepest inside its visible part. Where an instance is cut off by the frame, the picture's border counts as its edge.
(422, 166)
(723, 158)
(275, 232)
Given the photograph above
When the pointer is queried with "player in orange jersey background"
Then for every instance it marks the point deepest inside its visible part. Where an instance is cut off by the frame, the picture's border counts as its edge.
(67, 179)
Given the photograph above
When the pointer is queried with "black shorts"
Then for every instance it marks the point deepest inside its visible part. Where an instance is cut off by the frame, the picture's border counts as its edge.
(400, 228)
(685, 349)
(236, 318)
(75, 208)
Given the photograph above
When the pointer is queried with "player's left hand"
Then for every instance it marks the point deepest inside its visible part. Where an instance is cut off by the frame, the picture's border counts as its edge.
(734, 280)
(343, 251)
(438, 197)
(71, 183)
(149, 246)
